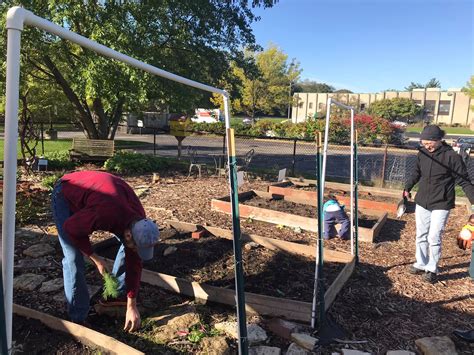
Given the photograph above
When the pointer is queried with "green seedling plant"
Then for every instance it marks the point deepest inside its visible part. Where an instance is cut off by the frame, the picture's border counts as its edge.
(111, 286)
(197, 332)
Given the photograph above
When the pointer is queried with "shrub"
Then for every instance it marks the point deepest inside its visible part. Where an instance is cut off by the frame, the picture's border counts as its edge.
(60, 160)
(394, 109)
(129, 163)
(48, 181)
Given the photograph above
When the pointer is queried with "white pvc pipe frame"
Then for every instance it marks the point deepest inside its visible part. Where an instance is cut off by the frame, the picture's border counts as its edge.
(322, 183)
(17, 17)
(326, 141)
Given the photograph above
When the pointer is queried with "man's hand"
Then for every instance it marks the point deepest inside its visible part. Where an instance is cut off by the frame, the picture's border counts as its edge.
(132, 317)
(99, 263)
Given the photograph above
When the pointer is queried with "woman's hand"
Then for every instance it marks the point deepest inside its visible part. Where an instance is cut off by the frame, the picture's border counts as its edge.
(132, 317)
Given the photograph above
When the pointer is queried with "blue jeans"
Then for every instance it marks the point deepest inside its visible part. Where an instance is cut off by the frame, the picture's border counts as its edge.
(330, 221)
(75, 286)
(429, 231)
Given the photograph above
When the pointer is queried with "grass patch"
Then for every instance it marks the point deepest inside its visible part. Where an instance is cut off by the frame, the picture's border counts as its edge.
(49, 147)
(448, 130)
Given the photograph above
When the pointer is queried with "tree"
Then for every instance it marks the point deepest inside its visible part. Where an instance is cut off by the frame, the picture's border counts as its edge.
(195, 39)
(263, 83)
(432, 83)
(394, 109)
(469, 89)
(312, 87)
(343, 91)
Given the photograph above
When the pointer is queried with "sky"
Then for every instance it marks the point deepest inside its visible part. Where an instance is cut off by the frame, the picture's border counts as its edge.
(373, 45)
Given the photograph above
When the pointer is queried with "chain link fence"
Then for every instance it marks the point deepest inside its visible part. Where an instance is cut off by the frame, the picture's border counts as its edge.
(387, 166)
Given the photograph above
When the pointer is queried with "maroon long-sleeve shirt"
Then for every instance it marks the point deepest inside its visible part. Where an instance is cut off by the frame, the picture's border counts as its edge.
(102, 201)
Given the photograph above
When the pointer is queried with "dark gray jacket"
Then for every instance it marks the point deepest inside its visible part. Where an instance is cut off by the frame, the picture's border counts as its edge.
(437, 174)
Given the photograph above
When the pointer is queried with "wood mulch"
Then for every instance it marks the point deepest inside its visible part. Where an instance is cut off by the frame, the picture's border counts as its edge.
(382, 305)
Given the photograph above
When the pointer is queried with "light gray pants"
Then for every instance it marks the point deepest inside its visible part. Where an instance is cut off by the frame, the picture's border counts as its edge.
(430, 226)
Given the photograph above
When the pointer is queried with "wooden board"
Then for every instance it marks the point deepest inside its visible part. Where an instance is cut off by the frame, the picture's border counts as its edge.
(311, 198)
(254, 303)
(82, 334)
(269, 243)
(291, 220)
(83, 148)
(338, 284)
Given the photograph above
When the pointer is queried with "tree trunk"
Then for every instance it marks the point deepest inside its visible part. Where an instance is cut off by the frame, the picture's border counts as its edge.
(85, 115)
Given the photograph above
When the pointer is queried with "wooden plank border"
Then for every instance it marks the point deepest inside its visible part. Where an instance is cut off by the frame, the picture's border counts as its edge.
(269, 243)
(255, 303)
(291, 220)
(311, 198)
(82, 334)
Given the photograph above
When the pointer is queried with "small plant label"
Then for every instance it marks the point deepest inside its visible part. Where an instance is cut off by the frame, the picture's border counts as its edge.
(281, 175)
(240, 178)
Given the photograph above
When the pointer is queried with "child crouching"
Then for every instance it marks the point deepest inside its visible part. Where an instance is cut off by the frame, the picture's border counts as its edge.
(334, 214)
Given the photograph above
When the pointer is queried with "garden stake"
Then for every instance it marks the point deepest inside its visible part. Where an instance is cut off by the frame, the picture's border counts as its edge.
(239, 272)
(318, 292)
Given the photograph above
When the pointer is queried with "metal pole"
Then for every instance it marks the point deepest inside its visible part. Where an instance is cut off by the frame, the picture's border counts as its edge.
(42, 139)
(384, 165)
(352, 182)
(289, 101)
(294, 158)
(318, 291)
(239, 271)
(356, 203)
(10, 169)
(154, 141)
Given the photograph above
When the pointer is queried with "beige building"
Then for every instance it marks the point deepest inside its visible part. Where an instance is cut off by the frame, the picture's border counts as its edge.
(441, 107)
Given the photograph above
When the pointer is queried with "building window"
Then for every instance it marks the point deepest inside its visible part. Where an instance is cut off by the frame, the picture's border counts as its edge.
(444, 107)
(430, 106)
(417, 102)
(362, 107)
(310, 105)
(300, 104)
(321, 106)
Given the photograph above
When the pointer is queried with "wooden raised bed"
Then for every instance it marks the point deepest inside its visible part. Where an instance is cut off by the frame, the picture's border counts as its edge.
(254, 303)
(291, 220)
(82, 334)
(311, 198)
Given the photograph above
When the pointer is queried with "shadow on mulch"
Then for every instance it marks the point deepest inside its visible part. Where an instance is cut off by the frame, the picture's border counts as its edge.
(398, 319)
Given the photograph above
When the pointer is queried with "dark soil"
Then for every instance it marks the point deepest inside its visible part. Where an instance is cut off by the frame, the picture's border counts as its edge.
(338, 192)
(210, 260)
(299, 209)
(30, 336)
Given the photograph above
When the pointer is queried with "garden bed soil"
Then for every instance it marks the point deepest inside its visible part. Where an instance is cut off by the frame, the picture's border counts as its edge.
(30, 336)
(299, 209)
(210, 260)
(382, 305)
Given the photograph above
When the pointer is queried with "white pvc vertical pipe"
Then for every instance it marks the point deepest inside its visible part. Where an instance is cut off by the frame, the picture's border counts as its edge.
(9, 173)
(225, 97)
(352, 181)
(326, 140)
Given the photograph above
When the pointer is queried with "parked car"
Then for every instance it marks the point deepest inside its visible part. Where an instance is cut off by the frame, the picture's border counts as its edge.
(465, 142)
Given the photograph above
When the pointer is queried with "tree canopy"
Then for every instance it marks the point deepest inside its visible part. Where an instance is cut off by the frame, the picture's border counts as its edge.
(394, 109)
(313, 87)
(193, 38)
(261, 82)
(432, 83)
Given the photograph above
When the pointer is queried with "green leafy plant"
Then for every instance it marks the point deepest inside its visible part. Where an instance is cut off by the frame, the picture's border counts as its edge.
(111, 286)
(125, 163)
(60, 160)
(50, 180)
